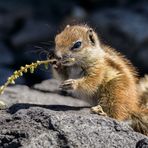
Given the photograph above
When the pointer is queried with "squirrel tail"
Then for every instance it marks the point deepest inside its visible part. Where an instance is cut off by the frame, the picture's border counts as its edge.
(143, 91)
(139, 121)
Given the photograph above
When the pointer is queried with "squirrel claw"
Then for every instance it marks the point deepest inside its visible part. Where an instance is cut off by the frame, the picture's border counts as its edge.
(68, 85)
(98, 110)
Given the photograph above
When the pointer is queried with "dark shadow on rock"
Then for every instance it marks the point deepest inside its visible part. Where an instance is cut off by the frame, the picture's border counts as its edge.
(142, 143)
(14, 108)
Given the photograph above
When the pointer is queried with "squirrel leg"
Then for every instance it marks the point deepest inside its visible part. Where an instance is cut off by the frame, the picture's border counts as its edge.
(118, 98)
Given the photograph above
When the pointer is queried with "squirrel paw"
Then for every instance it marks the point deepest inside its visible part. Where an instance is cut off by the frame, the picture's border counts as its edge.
(56, 65)
(2, 105)
(69, 84)
(98, 110)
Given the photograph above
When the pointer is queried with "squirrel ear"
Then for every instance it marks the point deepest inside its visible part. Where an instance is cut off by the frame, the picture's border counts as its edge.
(91, 36)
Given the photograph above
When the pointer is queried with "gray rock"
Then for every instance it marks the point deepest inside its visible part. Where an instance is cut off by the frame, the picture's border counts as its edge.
(6, 56)
(130, 23)
(141, 7)
(142, 56)
(142, 143)
(34, 31)
(23, 94)
(51, 85)
(40, 117)
(62, 126)
(11, 17)
(122, 27)
(78, 12)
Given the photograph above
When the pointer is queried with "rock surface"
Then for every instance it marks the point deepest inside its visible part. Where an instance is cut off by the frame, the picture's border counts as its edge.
(62, 126)
(41, 117)
(23, 94)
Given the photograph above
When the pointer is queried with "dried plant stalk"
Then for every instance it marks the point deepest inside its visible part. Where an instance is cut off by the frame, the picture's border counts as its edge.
(24, 69)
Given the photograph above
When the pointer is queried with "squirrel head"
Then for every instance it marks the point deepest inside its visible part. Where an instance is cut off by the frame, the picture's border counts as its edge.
(77, 45)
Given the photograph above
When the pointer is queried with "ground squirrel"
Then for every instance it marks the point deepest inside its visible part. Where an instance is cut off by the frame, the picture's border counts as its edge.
(98, 74)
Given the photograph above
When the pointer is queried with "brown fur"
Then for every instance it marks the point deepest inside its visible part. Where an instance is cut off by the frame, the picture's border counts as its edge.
(106, 78)
(143, 91)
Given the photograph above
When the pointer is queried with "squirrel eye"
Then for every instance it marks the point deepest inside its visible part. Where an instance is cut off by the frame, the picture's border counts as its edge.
(76, 45)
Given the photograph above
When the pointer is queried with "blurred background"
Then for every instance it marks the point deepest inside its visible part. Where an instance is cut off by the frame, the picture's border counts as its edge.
(28, 28)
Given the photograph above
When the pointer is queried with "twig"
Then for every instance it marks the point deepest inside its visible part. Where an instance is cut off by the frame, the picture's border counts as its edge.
(24, 69)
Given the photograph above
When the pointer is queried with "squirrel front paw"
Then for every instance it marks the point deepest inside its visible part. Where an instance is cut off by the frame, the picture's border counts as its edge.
(70, 84)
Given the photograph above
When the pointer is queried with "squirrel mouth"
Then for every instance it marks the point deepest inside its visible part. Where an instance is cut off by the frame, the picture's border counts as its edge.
(68, 61)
